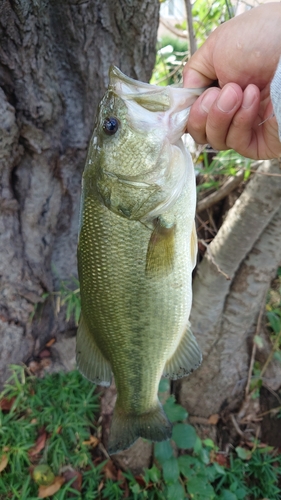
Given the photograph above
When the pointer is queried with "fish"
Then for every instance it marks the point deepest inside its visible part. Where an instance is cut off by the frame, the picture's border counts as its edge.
(136, 252)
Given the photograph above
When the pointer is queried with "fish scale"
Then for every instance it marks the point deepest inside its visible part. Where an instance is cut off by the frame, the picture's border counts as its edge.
(135, 269)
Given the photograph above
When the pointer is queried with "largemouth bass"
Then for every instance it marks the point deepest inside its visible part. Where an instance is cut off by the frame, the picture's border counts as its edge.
(136, 252)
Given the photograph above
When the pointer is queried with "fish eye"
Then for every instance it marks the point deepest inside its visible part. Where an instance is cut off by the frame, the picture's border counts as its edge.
(110, 125)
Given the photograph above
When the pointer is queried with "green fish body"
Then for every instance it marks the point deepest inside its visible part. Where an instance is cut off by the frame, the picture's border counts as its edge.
(136, 252)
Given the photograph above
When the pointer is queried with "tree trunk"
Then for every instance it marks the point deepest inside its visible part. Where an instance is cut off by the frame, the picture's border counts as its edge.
(54, 61)
(225, 312)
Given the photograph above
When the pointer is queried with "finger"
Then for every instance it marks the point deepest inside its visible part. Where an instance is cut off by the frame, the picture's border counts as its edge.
(241, 135)
(221, 114)
(196, 125)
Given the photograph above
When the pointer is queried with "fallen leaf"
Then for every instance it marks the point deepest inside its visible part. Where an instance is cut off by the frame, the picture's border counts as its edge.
(6, 404)
(120, 476)
(140, 480)
(45, 363)
(44, 354)
(48, 491)
(39, 445)
(213, 419)
(70, 474)
(51, 342)
(34, 367)
(221, 459)
(93, 441)
(3, 462)
(110, 470)
(100, 486)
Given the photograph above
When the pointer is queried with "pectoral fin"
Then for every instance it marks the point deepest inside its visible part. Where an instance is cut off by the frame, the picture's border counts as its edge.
(89, 358)
(161, 250)
(186, 358)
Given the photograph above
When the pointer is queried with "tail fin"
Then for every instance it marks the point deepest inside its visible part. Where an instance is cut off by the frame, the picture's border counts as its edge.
(126, 429)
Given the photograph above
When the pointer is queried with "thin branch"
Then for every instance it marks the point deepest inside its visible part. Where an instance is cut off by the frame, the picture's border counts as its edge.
(213, 260)
(204, 224)
(173, 72)
(191, 35)
(173, 29)
(221, 193)
(236, 426)
(270, 356)
(265, 173)
(272, 410)
(258, 327)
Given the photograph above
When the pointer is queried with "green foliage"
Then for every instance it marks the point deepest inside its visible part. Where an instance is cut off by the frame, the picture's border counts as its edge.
(170, 57)
(207, 15)
(68, 295)
(61, 407)
(70, 298)
(225, 163)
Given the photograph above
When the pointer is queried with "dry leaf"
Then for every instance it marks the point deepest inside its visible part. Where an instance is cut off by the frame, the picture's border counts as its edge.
(221, 459)
(51, 342)
(39, 445)
(93, 441)
(6, 404)
(48, 491)
(45, 363)
(140, 480)
(71, 474)
(100, 486)
(44, 354)
(110, 470)
(213, 419)
(3, 462)
(34, 367)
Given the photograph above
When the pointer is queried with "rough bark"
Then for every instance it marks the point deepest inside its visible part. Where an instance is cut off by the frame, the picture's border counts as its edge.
(54, 61)
(225, 312)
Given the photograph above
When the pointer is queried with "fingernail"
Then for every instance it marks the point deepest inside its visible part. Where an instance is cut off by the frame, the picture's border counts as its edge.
(208, 100)
(248, 98)
(227, 100)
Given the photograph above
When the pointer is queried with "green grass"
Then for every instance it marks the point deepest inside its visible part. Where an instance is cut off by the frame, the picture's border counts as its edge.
(62, 409)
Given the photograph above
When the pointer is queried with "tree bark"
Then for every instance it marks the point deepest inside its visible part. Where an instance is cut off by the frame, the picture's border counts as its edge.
(225, 312)
(54, 61)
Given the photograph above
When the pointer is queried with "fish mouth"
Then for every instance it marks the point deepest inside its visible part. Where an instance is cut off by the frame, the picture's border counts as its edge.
(149, 96)
(116, 75)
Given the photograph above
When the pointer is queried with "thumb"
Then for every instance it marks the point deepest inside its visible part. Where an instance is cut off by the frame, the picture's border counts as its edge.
(199, 71)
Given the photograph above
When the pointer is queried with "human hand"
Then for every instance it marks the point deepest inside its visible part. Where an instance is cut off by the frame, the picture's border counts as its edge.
(242, 55)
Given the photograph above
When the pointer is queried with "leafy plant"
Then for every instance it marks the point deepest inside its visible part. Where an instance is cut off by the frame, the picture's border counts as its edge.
(68, 295)
(45, 426)
(170, 57)
(224, 163)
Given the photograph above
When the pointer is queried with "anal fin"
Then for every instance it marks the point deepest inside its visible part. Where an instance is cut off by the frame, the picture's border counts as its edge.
(185, 359)
(90, 361)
